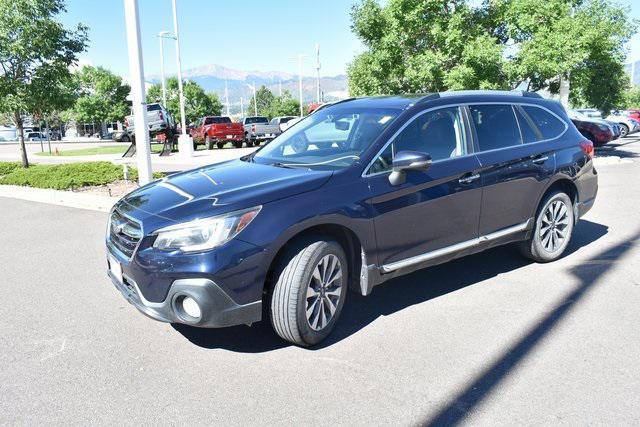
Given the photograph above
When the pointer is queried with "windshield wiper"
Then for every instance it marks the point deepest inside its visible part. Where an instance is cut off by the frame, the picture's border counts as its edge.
(289, 165)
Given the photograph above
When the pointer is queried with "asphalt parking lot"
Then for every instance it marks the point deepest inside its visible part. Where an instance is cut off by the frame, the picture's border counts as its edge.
(489, 339)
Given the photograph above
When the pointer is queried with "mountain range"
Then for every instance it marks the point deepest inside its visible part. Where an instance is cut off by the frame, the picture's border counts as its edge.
(212, 78)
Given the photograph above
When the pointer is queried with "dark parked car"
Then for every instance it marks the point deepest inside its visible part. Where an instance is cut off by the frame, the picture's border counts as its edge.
(596, 130)
(357, 193)
(121, 136)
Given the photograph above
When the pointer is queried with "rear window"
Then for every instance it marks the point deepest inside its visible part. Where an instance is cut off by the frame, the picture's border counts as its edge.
(251, 120)
(496, 126)
(549, 125)
(154, 107)
(215, 120)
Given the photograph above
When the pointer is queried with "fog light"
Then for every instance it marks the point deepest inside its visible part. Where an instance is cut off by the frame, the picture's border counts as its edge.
(191, 307)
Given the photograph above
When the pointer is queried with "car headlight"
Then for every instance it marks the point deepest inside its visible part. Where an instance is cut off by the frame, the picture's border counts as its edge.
(206, 233)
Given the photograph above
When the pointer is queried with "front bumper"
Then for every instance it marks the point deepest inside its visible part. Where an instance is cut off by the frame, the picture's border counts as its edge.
(217, 308)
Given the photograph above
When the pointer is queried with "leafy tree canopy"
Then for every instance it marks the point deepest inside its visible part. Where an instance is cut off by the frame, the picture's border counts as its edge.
(36, 52)
(435, 45)
(197, 103)
(271, 106)
(101, 96)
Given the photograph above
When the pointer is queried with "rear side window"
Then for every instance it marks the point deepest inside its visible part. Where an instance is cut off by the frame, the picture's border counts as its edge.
(549, 125)
(251, 120)
(529, 132)
(496, 126)
(153, 107)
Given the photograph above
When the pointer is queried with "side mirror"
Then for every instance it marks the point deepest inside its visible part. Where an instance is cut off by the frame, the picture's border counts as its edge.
(408, 160)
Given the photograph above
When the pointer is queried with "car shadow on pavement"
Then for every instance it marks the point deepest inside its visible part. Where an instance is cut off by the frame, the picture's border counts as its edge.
(588, 273)
(386, 299)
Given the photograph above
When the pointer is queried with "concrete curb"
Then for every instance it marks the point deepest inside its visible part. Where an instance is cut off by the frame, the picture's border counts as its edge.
(71, 199)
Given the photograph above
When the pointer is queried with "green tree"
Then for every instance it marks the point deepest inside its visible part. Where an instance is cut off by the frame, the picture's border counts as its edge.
(264, 99)
(632, 98)
(284, 105)
(101, 96)
(435, 45)
(36, 52)
(197, 102)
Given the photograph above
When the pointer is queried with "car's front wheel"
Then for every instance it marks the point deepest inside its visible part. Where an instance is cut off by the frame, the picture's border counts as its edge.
(310, 290)
(552, 230)
(624, 130)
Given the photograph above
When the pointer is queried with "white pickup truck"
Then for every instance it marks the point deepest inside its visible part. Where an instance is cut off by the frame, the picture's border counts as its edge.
(258, 128)
(159, 121)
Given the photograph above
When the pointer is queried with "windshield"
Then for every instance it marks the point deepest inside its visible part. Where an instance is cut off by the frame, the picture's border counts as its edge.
(332, 138)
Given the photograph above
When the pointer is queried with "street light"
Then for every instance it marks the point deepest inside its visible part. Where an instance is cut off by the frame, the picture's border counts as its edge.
(164, 35)
(300, 57)
(185, 143)
(255, 100)
(317, 73)
(136, 73)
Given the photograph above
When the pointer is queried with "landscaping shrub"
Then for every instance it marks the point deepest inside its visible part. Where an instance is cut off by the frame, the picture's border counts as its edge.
(64, 176)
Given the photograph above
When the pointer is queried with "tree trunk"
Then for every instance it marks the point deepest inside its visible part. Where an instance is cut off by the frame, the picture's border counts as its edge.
(23, 149)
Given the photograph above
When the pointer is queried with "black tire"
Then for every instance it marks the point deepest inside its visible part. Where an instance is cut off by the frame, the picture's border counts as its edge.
(220, 145)
(208, 142)
(250, 143)
(237, 144)
(125, 138)
(295, 281)
(540, 247)
(624, 130)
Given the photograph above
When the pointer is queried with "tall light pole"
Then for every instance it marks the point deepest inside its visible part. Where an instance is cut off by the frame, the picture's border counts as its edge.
(300, 57)
(241, 107)
(162, 35)
(226, 95)
(318, 73)
(255, 99)
(185, 143)
(136, 77)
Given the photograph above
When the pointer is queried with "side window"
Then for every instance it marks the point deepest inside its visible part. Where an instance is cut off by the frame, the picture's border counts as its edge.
(496, 126)
(529, 132)
(549, 125)
(439, 133)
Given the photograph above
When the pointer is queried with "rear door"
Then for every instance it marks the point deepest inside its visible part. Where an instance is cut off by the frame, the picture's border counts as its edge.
(433, 209)
(516, 163)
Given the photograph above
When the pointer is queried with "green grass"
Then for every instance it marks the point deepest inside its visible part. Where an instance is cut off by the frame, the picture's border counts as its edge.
(64, 176)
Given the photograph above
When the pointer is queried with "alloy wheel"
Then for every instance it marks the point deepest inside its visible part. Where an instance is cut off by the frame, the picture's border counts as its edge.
(323, 292)
(554, 226)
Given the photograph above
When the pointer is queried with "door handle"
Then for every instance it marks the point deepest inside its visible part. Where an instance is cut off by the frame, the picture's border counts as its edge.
(469, 179)
(540, 160)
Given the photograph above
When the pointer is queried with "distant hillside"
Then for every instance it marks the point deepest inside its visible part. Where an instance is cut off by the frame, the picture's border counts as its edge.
(212, 79)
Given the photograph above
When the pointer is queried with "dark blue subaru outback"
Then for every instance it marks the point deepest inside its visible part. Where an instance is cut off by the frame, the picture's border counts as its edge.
(357, 193)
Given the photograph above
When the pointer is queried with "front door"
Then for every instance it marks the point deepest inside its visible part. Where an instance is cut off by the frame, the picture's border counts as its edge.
(433, 209)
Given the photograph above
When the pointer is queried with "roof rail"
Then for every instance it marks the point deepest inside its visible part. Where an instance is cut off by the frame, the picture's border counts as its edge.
(490, 92)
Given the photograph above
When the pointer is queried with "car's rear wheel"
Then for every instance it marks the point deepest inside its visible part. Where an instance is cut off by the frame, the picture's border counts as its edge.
(309, 293)
(220, 144)
(237, 144)
(125, 138)
(624, 130)
(552, 230)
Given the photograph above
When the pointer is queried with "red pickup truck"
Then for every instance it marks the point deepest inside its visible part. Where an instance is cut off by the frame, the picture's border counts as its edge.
(217, 130)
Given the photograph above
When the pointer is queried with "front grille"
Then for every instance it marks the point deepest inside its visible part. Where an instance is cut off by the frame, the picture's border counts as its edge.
(124, 233)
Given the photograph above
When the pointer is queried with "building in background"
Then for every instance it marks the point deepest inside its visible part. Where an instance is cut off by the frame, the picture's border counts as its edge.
(633, 69)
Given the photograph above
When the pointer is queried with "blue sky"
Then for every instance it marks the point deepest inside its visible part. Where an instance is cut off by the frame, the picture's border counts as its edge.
(248, 35)
(241, 34)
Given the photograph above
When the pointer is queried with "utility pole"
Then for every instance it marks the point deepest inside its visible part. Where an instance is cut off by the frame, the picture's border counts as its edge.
(162, 35)
(300, 57)
(226, 95)
(255, 100)
(185, 143)
(280, 87)
(318, 97)
(136, 74)
(241, 107)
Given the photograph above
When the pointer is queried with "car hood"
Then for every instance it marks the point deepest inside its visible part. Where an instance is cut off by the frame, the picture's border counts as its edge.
(217, 189)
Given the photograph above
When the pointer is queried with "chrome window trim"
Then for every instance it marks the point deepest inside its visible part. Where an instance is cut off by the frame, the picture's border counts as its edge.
(464, 104)
(407, 262)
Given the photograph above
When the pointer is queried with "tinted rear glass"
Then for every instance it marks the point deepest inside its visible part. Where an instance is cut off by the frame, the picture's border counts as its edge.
(496, 126)
(529, 132)
(251, 120)
(549, 125)
(212, 120)
(153, 107)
